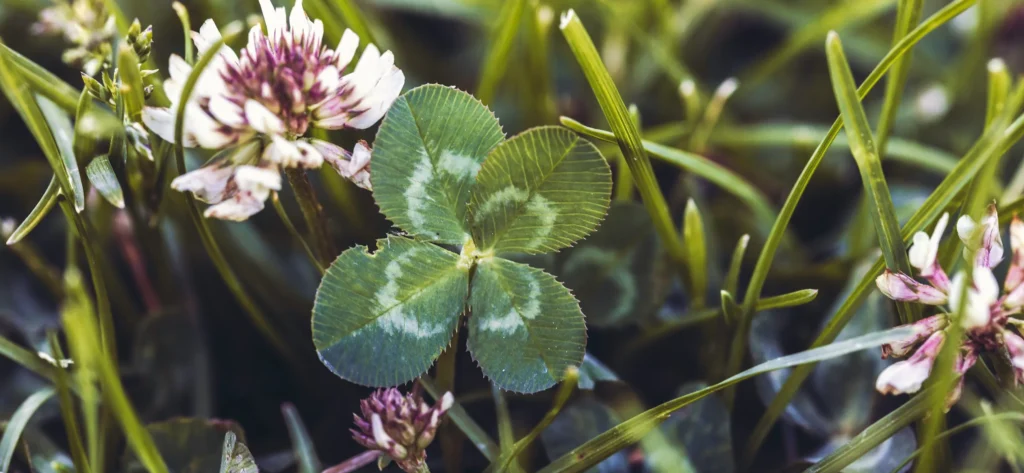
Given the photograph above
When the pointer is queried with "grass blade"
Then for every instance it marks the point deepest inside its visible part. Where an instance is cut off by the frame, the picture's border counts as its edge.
(784, 301)
(476, 434)
(862, 146)
(625, 134)
(789, 207)
(42, 208)
(908, 13)
(699, 165)
(631, 431)
(67, 408)
(64, 136)
(843, 14)
(186, 26)
(696, 253)
(305, 453)
(995, 418)
(101, 175)
(497, 58)
(131, 83)
(42, 81)
(20, 419)
(83, 335)
(565, 391)
(732, 278)
(873, 435)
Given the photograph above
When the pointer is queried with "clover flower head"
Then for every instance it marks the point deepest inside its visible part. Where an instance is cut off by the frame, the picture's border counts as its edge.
(986, 308)
(282, 84)
(400, 426)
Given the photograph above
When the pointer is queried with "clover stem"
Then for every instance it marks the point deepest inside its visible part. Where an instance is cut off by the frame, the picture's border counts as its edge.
(313, 213)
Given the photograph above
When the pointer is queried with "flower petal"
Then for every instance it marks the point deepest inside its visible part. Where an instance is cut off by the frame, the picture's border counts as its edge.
(900, 287)
(1015, 275)
(923, 328)
(209, 183)
(346, 49)
(261, 119)
(985, 242)
(160, 121)
(207, 35)
(907, 376)
(1015, 347)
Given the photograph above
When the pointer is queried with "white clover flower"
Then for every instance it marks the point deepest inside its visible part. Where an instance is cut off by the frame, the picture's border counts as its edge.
(262, 102)
(981, 296)
(925, 248)
(986, 242)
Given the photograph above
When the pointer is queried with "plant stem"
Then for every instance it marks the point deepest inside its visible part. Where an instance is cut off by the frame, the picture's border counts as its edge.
(354, 463)
(295, 232)
(313, 213)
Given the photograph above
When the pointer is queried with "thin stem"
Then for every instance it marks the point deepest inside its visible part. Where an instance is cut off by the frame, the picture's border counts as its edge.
(295, 232)
(354, 463)
(313, 213)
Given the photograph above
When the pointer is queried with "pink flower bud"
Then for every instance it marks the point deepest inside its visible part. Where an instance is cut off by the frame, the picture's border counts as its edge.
(922, 329)
(907, 376)
(900, 287)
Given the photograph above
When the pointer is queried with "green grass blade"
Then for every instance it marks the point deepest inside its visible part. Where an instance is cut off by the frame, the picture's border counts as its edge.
(631, 431)
(699, 165)
(186, 26)
(873, 435)
(732, 278)
(862, 146)
(843, 14)
(83, 337)
(67, 408)
(908, 14)
(131, 83)
(625, 134)
(42, 81)
(20, 419)
(497, 59)
(305, 453)
(20, 97)
(1004, 416)
(790, 299)
(506, 437)
(993, 143)
(696, 253)
(42, 208)
(212, 248)
(775, 238)
(806, 135)
(565, 391)
(476, 434)
(64, 135)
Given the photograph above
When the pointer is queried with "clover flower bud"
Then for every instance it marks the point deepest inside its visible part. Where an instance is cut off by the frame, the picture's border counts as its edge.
(400, 426)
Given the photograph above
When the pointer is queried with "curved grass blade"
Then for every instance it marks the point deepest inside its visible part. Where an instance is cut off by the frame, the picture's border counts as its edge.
(42, 81)
(186, 26)
(80, 326)
(565, 391)
(625, 134)
(863, 148)
(767, 255)
(873, 435)
(67, 408)
(64, 135)
(305, 453)
(732, 278)
(497, 58)
(843, 14)
(42, 208)
(20, 419)
(758, 136)
(634, 429)
(101, 175)
(1004, 416)
(212, 248)
(476, 434)
(697, 253)
(784, 301)
(699, 165)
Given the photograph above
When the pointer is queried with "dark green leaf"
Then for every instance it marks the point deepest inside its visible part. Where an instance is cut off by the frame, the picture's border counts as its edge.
(426, 157)
(539, 192)
(526, 328)
(381, 319)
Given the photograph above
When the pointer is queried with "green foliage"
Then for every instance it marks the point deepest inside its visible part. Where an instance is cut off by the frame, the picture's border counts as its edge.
(443, 173)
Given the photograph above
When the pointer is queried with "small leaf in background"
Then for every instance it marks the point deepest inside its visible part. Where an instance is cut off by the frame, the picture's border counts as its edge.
(618, 272)
(696, 245)
(381, 319)
(525, 327)
(578, 422)
(235, 456)
(102, 177)
(426, 157)
(539, 192)
(703, 431)
(592, 371)
(188, 445)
